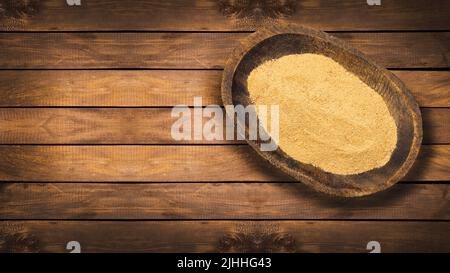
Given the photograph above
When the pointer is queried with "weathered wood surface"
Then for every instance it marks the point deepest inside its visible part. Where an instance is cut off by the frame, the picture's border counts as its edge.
(423, 207)
(169, 164)
(160, 87)
(224, 236)
(216, 201)
(136, 126)
(196, 50)
(222, 15)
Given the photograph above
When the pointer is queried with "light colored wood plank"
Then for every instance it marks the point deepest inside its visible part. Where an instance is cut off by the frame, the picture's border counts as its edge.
(196, 50)
(224, 201)
(224, 236)
(169, 164)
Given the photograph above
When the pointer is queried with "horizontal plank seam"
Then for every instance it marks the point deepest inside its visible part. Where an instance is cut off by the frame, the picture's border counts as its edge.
(224, 143)
(424, 68)
(218, 31)
(444, 182)
(143, 107)
(157, 144)
(225, 220)
(418, 69)
(112, 68)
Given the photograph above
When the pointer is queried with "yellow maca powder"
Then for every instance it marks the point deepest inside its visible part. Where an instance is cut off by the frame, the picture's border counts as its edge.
(328, 117)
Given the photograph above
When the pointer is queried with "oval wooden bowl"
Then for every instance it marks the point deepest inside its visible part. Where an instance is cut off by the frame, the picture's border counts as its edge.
(277, 41)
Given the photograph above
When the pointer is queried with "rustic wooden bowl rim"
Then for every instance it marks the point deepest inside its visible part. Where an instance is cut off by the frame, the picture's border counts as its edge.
(413, 110)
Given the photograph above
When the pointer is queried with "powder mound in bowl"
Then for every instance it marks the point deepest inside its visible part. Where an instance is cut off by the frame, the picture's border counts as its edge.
(329, 118)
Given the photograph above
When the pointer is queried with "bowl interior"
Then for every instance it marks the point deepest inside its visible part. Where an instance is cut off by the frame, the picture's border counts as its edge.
(399, 102)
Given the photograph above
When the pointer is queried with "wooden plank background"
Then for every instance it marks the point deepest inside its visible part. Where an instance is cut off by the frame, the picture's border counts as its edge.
(225, 236)
(85, 146)
(222, 15)
(215, 200)
(196, 50)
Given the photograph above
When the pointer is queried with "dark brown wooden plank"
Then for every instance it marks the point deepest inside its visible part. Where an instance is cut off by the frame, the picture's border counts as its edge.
(403, 49)
(225, 201)
(135, 126)
(432, 162)
(196, 50)
(222, 15)
(429, 88)
(436, 125)
(169, 163)
(224, 236)
(160, 87)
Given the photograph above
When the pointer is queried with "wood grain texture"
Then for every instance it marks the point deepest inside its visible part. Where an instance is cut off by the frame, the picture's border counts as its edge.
(160, 87)
(135, 126)
(436, 121)
(432, 160)
(216, 201)
(95, 126)
(429, 88)
(224, 236)
(34, 194)
(113, 87)
(222, 15)
(196, 50)
(169, 164)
